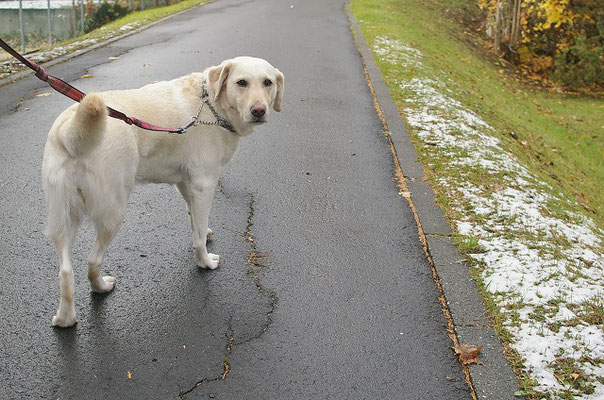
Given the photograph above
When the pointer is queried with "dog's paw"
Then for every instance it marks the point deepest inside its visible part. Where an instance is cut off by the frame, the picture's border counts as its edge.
(103, 285)
(209, 261)
(64, 321)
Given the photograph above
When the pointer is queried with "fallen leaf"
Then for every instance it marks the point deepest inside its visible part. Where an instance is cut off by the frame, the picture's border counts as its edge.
(129, 374)
(468, 354)
(405, 194)
(227, 368)
(44, 94)
(87, 76)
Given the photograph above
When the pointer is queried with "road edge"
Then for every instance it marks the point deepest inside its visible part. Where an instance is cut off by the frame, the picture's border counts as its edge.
(469, 322)
(22, 74)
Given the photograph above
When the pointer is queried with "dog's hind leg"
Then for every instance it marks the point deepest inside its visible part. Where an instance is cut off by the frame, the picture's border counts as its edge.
(104, 234)
(66, 315)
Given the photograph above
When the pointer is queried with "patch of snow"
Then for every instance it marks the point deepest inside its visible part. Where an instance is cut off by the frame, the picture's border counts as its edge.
(464, 228)
(128, 27)
(537, 263)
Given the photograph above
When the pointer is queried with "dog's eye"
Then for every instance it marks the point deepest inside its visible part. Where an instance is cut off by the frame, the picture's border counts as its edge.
(242, 83)
(268, 82)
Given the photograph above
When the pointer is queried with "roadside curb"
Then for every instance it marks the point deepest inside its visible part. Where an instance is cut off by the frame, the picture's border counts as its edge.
(494, 379)
(66, 57)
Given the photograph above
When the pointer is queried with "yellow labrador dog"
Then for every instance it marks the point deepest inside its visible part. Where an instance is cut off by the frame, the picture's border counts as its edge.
(92, 162)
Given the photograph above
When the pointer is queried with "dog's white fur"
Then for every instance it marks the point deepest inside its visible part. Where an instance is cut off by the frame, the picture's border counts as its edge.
(91, 162)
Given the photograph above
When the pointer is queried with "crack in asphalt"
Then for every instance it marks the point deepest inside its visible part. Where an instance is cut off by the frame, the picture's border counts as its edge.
(254, 259)
(183, 395)
(226, 363)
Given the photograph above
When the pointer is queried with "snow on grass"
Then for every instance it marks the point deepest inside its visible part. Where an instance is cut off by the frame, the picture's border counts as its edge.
(12, 66)
(541, 263)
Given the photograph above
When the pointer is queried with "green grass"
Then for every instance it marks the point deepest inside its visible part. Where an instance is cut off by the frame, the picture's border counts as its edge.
(139, 18)
(470, 245)
(570, 374)
(560, 137)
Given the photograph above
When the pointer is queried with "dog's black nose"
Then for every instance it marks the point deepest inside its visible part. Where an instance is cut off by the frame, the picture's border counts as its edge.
(258, 111)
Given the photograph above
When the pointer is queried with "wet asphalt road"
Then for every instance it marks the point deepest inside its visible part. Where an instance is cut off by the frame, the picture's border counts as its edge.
(340, 305)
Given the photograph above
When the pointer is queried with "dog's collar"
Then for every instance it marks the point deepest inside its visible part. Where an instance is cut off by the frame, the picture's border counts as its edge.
(220, 121)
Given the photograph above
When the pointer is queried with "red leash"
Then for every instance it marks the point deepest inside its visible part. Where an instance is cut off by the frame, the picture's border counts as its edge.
(66, 89)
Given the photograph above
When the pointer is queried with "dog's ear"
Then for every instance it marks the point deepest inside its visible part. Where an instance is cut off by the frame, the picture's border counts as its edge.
(217, 77)
(280, 88)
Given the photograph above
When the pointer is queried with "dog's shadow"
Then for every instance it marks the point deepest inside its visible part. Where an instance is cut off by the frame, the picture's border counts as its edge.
(98, 309)
(67, 347)
(97, 299)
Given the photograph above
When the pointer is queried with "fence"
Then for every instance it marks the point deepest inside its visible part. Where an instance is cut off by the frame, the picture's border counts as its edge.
(55, 20)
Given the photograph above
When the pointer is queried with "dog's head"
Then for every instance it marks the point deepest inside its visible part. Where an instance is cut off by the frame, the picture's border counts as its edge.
(246, 87)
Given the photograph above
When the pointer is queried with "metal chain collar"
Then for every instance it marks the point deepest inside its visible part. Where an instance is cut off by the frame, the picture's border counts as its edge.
(205, 100)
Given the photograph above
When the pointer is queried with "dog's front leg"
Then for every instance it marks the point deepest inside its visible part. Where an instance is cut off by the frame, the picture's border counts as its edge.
(183, 189)
(200, 197)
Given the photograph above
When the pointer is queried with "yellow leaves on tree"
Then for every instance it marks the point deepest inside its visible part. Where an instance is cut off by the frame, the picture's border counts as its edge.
(555, 13)
(550, 38)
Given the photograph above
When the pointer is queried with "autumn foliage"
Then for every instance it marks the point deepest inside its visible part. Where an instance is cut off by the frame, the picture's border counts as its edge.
(557, 40)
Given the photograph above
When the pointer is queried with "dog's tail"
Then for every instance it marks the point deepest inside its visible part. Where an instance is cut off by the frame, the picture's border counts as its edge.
(86, 126)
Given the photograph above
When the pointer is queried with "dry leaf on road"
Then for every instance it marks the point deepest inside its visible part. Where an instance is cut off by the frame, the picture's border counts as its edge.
(468, 354)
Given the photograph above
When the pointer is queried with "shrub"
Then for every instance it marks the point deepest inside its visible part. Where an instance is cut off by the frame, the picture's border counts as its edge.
(581, 64)
(104, 14)
(561, 40)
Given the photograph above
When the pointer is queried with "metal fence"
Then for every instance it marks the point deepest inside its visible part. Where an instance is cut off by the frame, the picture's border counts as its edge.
(54, 20)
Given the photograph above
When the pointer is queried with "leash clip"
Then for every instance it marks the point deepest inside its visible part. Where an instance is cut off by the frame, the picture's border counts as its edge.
(195, 119)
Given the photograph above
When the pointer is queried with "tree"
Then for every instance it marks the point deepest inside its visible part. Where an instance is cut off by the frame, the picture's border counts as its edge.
(559, 39)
